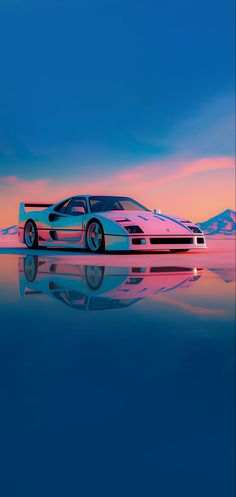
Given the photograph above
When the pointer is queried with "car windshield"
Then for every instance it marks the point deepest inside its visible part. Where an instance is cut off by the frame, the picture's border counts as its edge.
(102, 204)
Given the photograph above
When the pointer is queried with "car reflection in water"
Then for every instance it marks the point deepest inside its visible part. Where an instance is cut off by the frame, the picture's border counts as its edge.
(89, 287)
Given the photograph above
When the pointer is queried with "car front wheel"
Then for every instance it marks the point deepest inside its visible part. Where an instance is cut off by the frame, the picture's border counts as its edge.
(95, 237)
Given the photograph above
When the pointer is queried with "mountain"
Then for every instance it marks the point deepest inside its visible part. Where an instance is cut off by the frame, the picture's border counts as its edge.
(226, 274)
(222, 224)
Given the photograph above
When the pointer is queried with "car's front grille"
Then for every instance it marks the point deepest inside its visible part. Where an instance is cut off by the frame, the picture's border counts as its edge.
(171, 241)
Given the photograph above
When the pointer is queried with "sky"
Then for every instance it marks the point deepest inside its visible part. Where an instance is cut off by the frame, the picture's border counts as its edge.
(118, 97)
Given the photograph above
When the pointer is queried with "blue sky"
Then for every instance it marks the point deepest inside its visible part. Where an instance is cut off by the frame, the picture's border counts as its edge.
(91, 85)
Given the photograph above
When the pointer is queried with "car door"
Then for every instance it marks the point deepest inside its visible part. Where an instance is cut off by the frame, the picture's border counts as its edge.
(67, 223)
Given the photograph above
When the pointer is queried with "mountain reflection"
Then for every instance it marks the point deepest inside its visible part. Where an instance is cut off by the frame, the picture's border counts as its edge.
(93, 288)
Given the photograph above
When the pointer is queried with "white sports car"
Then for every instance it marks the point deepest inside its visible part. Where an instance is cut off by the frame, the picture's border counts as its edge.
(111, 223)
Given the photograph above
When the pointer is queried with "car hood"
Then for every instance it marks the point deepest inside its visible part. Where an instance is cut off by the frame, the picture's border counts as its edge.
(149, 222)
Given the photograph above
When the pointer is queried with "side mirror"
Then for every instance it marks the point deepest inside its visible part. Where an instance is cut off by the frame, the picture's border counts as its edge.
(157, 211)
(76, 211)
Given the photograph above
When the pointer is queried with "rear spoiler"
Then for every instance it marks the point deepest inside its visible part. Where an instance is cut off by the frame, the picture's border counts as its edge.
(23, 205)
(38, 204)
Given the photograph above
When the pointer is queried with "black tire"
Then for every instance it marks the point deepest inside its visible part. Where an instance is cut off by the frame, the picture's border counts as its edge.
(31, 240)
(94, 276)
(93, 244)
(31, 267)
(179, 250)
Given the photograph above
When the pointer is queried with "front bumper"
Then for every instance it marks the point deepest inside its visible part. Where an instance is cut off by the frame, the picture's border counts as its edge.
(154, 242)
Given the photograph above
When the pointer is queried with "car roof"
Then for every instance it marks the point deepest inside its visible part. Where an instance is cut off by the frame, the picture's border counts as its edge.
(94, 195)
(86, 195)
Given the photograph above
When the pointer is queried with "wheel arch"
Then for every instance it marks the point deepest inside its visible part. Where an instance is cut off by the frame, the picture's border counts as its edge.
(30, 219)
(92, 219)
(109, 226)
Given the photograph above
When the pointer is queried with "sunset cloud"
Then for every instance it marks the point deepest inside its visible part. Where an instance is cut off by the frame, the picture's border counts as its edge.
(20, 183)
(199, 166)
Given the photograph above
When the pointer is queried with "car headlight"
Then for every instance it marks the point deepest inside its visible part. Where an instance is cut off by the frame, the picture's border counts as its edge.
(133, 229)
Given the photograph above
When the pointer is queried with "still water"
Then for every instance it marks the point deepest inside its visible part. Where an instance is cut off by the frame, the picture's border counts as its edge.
(116, 379)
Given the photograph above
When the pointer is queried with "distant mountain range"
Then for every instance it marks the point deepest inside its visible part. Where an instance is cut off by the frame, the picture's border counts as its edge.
(222, 224)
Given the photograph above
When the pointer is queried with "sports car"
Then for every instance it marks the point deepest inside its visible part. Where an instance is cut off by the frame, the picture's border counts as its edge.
(99, 223)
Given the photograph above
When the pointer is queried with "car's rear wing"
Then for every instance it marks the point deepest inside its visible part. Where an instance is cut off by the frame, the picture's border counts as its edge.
(30, 205)
(36, 204)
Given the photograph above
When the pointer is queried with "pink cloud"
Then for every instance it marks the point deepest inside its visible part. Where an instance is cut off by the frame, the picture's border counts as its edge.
(14, 183)
(147, 177)
(130, 176)
(198, 166)
(209, 164)
(9, 180)
(153, 174)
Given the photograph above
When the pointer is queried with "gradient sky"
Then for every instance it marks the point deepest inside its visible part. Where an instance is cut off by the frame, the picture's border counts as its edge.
(118, 96)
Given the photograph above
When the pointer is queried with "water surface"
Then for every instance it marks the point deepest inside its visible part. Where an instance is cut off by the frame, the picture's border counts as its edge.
(117, 376)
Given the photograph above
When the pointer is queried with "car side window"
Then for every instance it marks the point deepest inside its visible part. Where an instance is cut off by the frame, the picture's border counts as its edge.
(79, 202)
(63, 206)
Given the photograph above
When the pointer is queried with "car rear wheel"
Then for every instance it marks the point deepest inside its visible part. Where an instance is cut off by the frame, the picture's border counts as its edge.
(95, 237)
(179, 250)
(31, 235)
(31, 267)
